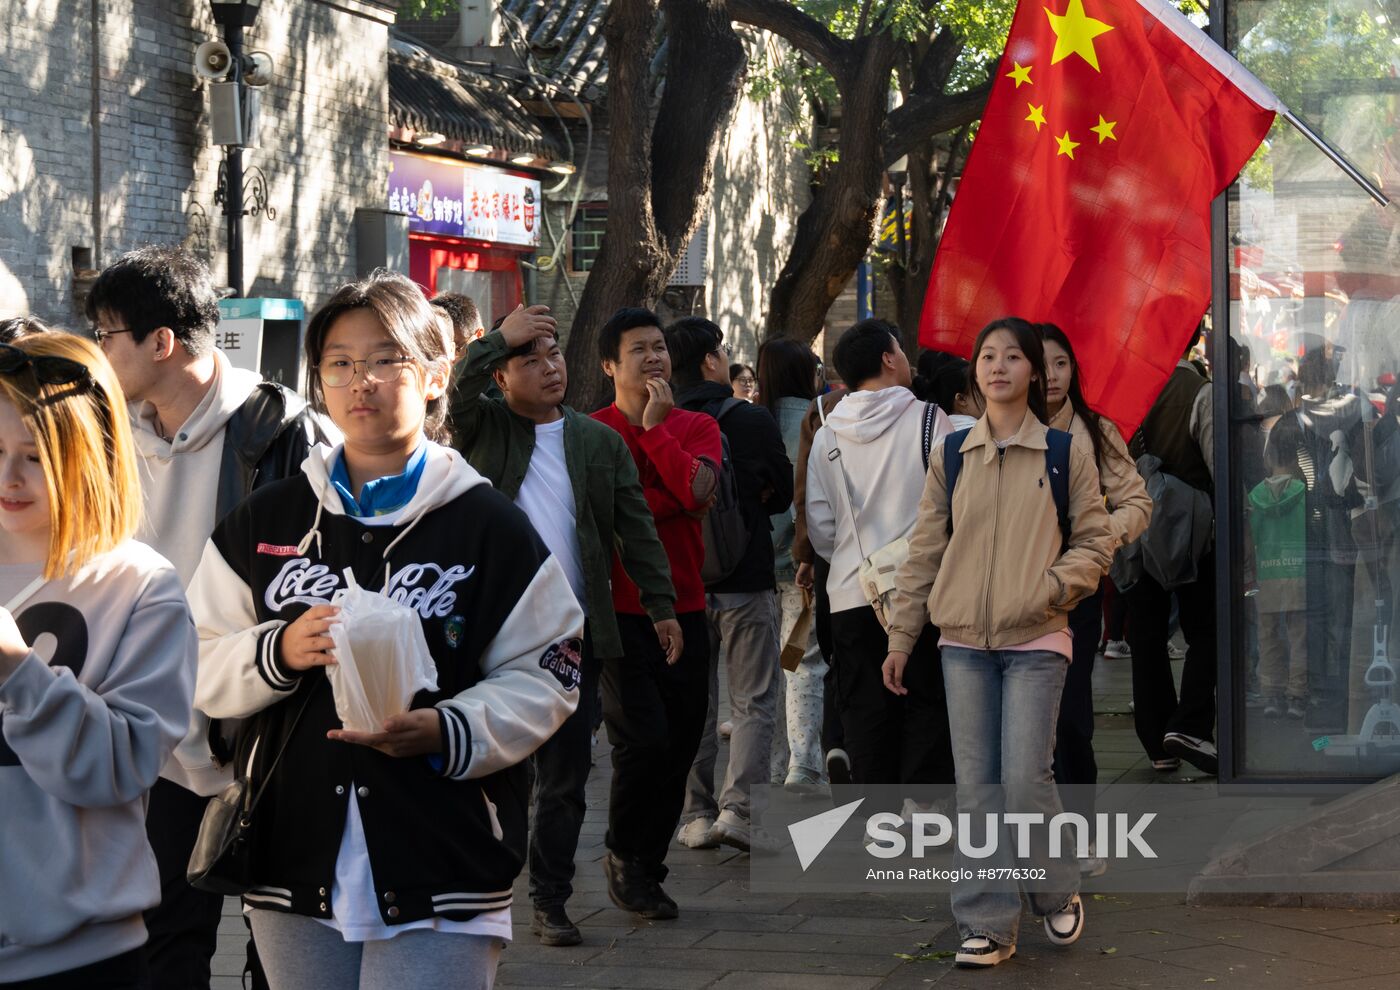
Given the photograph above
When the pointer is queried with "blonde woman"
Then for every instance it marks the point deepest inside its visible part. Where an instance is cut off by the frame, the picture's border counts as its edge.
(97, 663)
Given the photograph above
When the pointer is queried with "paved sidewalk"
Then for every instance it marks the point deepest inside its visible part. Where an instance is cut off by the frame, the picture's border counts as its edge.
(730, 939)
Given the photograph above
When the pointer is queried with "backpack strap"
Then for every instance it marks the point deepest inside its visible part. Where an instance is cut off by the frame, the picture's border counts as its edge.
(930, 418)
(726, 406)
(952, 464)
(1057, 449)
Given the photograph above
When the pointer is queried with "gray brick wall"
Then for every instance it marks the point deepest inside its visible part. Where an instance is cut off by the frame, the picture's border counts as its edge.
(324, 149)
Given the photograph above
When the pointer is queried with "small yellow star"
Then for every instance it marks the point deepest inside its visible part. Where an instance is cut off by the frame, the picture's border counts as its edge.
(1021, 73)
(1036, 116)
(1066, 145)
(1105, 130)
(1075, 32)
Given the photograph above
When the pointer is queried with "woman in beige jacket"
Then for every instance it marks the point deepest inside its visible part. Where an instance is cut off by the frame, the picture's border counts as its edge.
(1129, 509)
(992, 569)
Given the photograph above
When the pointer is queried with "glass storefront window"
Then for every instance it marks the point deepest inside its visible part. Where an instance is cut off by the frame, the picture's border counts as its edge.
(1314, 322)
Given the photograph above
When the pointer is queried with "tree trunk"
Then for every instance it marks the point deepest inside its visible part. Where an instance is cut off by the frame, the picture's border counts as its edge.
(659, 178)
(834, 232)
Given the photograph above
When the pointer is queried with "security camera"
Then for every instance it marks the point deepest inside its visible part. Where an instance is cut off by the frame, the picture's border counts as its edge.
(212, 61)
(258, 69)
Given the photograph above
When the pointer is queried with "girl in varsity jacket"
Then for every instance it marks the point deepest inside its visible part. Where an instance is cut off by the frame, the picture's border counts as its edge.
(97, 662)
(380, 855)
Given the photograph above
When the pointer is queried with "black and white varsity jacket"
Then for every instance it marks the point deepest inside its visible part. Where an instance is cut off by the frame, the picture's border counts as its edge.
(503, 627)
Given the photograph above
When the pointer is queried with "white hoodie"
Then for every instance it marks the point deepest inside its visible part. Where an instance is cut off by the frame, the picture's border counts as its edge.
(879, 436)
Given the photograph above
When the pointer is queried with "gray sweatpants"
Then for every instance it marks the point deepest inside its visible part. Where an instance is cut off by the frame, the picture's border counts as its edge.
(745, 627)
(300, 953)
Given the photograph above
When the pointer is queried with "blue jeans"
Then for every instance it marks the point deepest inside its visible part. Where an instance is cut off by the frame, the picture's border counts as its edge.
(1002, 708)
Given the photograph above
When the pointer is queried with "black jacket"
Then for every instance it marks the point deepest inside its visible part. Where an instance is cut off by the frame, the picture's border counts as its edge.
(266, 440)
(764, 475)
(445, 837)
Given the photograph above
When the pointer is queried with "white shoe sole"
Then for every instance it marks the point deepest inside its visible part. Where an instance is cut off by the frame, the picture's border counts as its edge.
(707, 842)
(724, 835)
(985, 961)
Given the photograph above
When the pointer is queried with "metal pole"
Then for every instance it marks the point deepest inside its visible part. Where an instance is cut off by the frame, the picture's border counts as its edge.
(233, 169)
(1336, 156)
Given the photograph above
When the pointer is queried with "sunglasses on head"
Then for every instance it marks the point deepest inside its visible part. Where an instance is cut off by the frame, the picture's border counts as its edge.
(48, 369)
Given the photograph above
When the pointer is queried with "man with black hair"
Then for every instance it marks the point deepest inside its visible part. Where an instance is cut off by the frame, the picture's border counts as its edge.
(654, 699)
(467, 325)
(865, 476)
(576, 481)
(742, 607)
(207, 433)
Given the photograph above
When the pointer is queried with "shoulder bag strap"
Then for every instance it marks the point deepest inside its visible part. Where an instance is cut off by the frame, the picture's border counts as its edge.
(272, 767)
(835, 455)
(930, 417)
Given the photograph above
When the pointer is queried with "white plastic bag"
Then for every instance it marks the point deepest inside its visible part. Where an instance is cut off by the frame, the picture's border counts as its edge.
(382, 659)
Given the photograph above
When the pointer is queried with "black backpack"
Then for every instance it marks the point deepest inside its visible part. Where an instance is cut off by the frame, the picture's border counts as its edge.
(726, 532)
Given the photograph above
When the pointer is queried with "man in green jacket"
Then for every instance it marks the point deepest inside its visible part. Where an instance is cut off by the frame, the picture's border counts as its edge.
(576, 481)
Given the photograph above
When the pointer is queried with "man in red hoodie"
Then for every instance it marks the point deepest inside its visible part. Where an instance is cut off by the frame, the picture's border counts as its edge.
(655, 699)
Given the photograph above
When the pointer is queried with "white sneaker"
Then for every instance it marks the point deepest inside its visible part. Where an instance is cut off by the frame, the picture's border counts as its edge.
(726, 729)
(1093, 865)
(1063, 927)
(732, 830)
(802, 782)
(698, 834)
(1117, 649)
(1175, 652)
(981, 953)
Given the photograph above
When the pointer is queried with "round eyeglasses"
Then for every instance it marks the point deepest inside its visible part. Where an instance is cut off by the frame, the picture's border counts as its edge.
(382, 368)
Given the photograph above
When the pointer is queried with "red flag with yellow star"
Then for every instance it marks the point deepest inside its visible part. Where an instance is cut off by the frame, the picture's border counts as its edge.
(1111, 126)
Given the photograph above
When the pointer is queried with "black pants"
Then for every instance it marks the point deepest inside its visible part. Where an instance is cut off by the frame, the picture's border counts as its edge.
(1115, 611)
(1074, 732)
(890, 739)
(1156, 708)
(124, 972)
(184, 926)
(557, 799)
(833, 737)
(655, 713)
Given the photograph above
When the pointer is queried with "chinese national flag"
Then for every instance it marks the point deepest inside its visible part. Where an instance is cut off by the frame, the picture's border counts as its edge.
(1111, 126)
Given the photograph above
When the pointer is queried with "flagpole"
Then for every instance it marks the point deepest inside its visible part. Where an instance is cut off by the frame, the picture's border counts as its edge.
(1336, 156)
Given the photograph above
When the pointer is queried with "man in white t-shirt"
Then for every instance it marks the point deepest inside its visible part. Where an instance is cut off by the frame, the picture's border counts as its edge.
(577, 482)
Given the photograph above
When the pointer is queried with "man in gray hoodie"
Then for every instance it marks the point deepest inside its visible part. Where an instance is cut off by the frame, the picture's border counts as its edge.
(864, 482)
(207, 434)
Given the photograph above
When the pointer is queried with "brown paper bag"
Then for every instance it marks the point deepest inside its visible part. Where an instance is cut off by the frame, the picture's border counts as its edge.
(796, 646)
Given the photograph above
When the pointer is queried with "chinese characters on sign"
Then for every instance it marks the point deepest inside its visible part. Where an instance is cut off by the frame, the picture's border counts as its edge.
(459, 200)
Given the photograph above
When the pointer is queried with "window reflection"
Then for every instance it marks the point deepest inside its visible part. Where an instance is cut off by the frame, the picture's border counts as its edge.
(1315, 347)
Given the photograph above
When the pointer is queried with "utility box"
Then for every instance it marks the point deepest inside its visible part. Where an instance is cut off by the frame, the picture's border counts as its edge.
(263, 335)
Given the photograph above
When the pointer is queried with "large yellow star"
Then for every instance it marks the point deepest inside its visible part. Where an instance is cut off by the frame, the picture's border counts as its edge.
(1021, 73)
(1066, 145)
(1036, 116)
(1075, 32)
(1105, 130)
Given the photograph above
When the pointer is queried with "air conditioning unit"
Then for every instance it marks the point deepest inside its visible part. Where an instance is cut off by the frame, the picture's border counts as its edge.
(694, 266)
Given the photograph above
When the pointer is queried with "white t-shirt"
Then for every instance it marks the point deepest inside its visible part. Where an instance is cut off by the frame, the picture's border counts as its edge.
(547, 497)
(355, 907)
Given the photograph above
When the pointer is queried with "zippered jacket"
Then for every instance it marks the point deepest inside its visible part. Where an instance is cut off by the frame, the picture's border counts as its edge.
(1004, 577)
(612, 512)
(445, 836)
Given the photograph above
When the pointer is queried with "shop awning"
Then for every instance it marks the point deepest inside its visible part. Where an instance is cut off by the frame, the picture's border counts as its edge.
(431, 94)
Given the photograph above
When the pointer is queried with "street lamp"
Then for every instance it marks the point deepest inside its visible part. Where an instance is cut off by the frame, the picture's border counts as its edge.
(234, 16)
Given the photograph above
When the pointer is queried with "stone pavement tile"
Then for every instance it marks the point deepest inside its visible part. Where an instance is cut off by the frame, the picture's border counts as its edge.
(817, 963)
(601, 937)
(878, 925)
(225, 983)
(1292, 945)
(1110, 971)
(734, 895)
(1146, 943)
(703, 920)
(1385, 935)
(1232, 963)
(227, 963)
(873, 945)
(922, 908)
(1316, 919)
(1386, 982)
(793, 981)
(534, 976)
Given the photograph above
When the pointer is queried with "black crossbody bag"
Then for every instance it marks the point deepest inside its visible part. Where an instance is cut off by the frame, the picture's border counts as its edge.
(221, 861)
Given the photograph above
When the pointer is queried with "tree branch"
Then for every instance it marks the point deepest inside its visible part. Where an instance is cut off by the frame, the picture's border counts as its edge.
(800, 30)
(923, 116)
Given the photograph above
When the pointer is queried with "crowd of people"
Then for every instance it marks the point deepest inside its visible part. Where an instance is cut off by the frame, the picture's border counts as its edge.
(179, 535)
